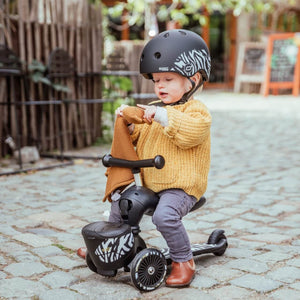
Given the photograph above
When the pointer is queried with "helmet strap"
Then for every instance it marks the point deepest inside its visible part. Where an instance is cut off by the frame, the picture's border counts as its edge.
(188, 94)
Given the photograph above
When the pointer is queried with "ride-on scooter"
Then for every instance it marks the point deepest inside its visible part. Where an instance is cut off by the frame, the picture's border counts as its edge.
(113, 246)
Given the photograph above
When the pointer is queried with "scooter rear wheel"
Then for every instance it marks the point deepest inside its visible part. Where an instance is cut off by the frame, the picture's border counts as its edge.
(90, 263)
(148, 269)
(92, 267)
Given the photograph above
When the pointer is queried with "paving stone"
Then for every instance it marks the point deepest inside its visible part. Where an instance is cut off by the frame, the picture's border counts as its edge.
(59, 279)
(3, 239)
(81, 273)
(193, 294)
(2, 260)
(295, 286)
(42, 231)
(286, 223)
(65, 294)
(32, 239)
(8, 230)
(240, 252)
(64, 262)
(232, 211)
(255, 200)
(48, 251)
(20, 288)
(73, 244)
(214, 217)
(63, 236)
(230, 293)
(50, 216)
(256, 282)
(262, 230)
(239, 224)
(9, 247)
(276, 210)
(198, 225)
(285, 293)
(26, 269)
(248, 265)
(106, 287)
(221, 273)
(24, 256)
(296, 243)
(243, 244)
(268, 237)
(67, 224)
(255, 217)
(294, 262)
(285, 274)
(273, 256)
(158, 243)
(283, 248)
(294, 218)
(202, 281)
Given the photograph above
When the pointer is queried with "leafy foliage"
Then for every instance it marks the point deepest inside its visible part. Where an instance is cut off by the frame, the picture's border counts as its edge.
(179, 10)
(37, 72)
(114, 88)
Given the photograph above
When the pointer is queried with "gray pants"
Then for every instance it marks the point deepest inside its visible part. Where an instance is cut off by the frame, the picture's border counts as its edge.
(173, 205)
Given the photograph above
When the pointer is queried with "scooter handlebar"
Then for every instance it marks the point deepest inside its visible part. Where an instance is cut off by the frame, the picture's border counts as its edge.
(158, 162)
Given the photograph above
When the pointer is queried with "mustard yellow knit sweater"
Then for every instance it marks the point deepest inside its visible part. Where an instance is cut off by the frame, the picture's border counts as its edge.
(185, 145)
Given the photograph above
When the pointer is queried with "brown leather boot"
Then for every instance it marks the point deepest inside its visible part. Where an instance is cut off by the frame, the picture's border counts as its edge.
(81, 252)
(182, 274)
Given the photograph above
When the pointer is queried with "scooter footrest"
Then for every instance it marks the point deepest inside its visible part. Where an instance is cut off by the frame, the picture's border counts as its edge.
(197, 249)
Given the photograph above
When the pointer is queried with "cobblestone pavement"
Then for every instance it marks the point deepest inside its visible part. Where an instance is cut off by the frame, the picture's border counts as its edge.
(253, 194)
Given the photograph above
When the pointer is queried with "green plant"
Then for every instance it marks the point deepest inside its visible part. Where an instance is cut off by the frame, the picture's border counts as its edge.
(117, 88)
(181, 10)
(63, 248)
(37, 72)
(114, 84)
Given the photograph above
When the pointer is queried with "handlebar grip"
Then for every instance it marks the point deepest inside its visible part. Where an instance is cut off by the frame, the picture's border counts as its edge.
(158, 162)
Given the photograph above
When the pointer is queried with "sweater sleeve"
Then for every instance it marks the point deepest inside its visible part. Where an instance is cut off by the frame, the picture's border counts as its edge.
(189, 127)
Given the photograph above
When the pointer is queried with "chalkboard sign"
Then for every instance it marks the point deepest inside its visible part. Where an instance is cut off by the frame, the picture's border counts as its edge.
(250, 64)
(254, 60)
(282, 63)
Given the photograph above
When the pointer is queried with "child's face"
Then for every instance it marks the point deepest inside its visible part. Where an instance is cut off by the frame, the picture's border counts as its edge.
(170, 87)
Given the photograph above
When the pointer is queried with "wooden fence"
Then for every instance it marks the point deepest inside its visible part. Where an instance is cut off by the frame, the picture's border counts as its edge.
(33, 30)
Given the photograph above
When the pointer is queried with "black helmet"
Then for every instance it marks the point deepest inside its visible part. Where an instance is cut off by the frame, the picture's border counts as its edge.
(177, 50)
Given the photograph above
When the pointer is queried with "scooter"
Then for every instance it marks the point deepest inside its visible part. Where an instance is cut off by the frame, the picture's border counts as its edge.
(113, 246)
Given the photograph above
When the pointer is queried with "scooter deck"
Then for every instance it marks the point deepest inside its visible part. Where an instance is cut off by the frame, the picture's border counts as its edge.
(199, 249)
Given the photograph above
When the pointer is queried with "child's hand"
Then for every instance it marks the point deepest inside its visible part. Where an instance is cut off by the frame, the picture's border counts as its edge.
(149, 111)
(119, 110)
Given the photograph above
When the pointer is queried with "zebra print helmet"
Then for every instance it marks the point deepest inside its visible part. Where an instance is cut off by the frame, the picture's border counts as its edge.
(177, 50)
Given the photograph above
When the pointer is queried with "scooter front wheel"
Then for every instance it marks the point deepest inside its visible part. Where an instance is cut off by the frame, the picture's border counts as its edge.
(148, 269)
(216, 237)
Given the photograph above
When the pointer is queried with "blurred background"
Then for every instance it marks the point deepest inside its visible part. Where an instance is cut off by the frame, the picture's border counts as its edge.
(65, 65)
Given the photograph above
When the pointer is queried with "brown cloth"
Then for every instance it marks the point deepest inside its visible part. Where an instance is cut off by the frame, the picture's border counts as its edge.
(122, 147)
(133, 114)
